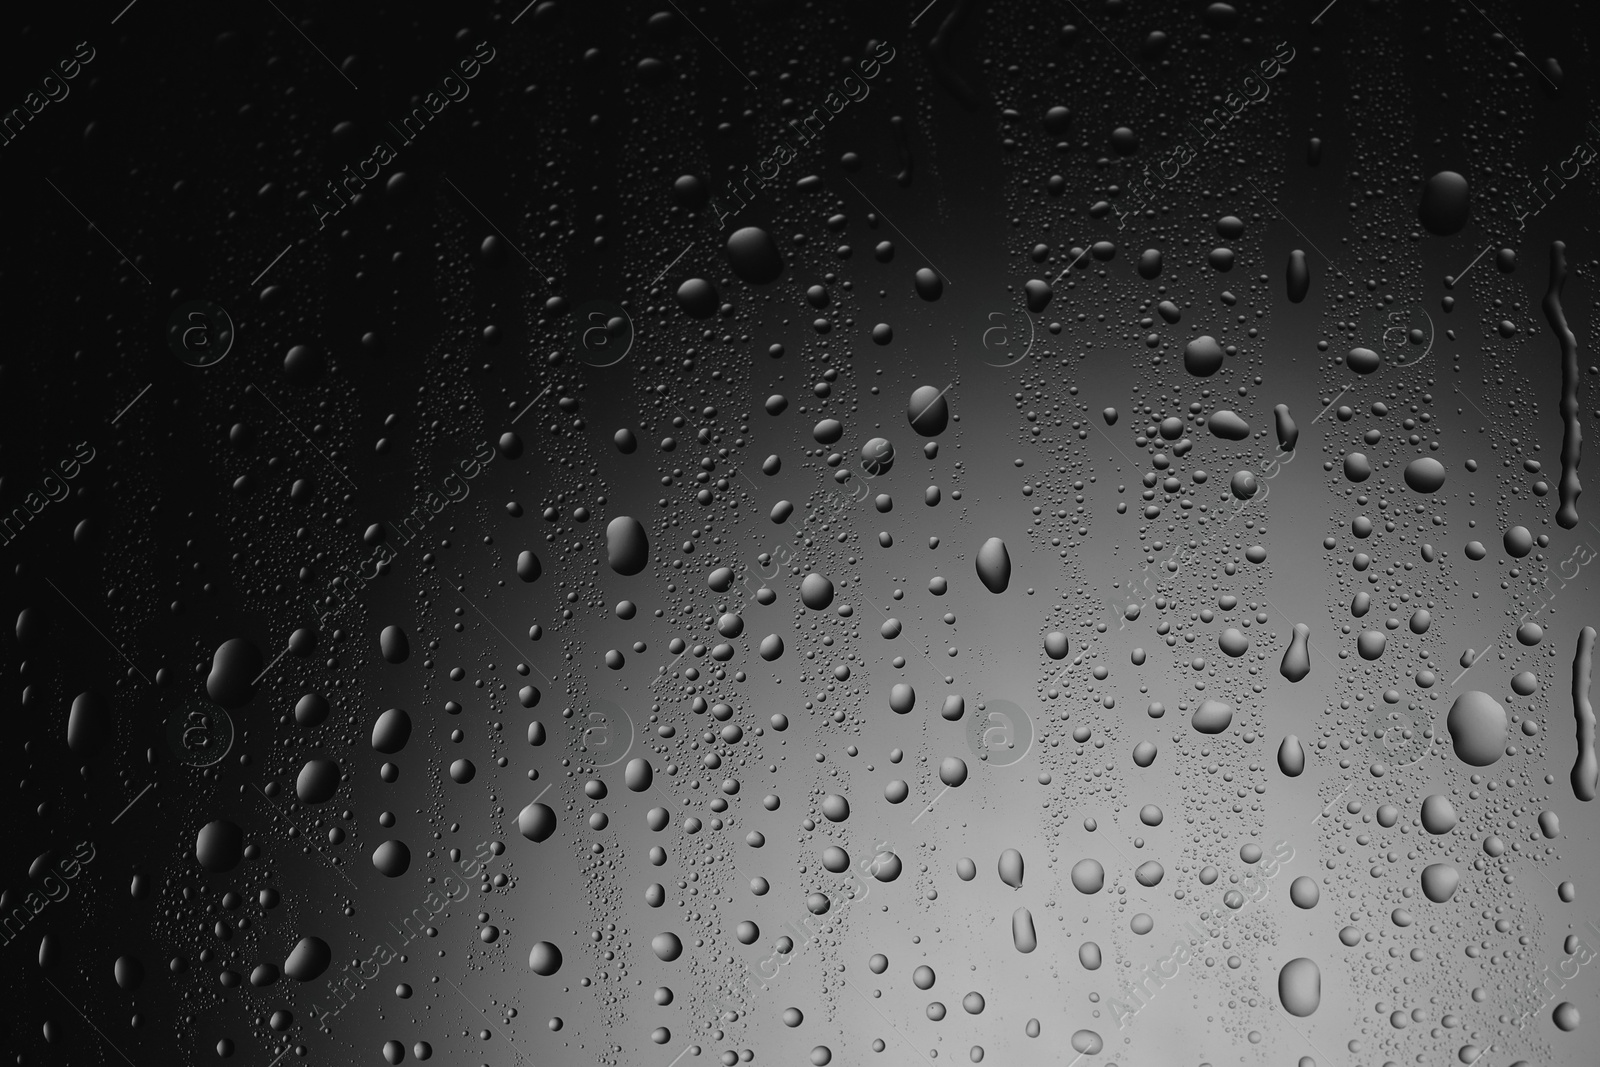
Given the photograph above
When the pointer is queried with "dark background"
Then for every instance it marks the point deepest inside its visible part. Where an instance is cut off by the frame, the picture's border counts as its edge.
(447, 308)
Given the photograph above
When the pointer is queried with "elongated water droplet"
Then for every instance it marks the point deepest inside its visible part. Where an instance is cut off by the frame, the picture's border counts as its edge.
(1011, 868)
(1291, 756)
(1288, 432)
(1297, 276)
(1022, 932)
(1297, 657)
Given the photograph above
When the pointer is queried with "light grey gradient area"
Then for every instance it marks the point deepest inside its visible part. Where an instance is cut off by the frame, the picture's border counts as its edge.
(1154, 600)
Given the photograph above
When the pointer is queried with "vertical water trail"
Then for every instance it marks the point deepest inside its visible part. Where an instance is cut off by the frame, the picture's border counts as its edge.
(1572, 435)
(1586, 771)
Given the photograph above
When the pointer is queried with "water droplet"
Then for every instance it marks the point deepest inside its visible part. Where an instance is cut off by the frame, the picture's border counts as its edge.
(1300, 987)
(994, 565)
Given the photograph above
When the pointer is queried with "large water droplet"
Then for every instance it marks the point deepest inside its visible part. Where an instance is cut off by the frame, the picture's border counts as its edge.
(1212, 716)
(234, 668)
(1477, 725)
(627, 547)
(1297, 276)
(1291, 756)
(994, 565)
(1011, 868)
(1446, 203)
(1300, 987)
(1023, 935)
(1088, 876)
(1297, 657)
